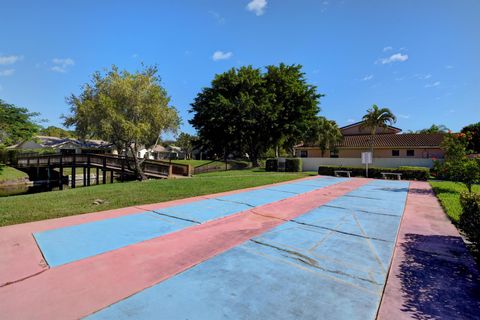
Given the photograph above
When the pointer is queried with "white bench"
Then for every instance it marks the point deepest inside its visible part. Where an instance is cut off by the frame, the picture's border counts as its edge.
(339, 172)
(386, 174)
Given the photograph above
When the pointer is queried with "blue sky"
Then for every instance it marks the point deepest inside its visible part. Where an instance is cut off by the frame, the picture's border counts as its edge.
(419, 58)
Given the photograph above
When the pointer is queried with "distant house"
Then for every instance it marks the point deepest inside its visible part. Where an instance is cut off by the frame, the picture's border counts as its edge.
(387, 143)
(64, 145)
(160, 152)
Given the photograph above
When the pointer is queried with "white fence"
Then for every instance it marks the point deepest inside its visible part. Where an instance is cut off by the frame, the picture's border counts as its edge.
(312, 164)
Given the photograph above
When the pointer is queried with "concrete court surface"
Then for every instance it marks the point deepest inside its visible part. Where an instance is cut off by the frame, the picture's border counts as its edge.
(314, 248)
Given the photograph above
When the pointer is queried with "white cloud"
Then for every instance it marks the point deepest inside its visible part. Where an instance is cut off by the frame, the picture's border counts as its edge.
(7, 72)
(220, 55)
(422, 76)
(404, 116)
(387, 49)
(217, 16)
(448, 67)
(6, 60)
(351, 120)
(431, 85)
(257, 6)
(135, 55)
(397, 57)
(62, 65)
(367, 77)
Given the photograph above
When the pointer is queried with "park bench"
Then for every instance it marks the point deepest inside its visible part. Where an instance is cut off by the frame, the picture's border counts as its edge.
(338, 173)
(393, 174)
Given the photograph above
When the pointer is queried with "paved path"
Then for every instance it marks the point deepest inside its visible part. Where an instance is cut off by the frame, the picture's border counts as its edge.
(313, 248)
(433, 275)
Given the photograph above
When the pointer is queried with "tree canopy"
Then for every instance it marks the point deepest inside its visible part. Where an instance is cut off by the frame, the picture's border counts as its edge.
(377, 118)
(130, 110)
(16, 124)
(54, 131)
(324, 133)
(186, 142)
(247, 111)
(434, 128)
(473, 135)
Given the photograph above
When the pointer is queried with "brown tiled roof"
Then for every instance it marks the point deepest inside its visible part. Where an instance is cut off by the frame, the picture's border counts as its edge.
(391, 140)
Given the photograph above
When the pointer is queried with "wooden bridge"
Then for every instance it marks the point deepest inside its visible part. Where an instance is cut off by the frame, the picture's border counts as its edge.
(100, 162)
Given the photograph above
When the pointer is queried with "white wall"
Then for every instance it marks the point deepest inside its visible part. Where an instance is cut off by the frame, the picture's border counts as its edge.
(312, 164)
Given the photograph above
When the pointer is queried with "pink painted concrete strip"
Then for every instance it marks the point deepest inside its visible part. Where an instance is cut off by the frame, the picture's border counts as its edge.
(77, 289)
(21, 258)
(432, 275)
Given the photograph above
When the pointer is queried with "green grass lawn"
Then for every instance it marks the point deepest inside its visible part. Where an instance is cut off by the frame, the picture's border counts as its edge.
(47, 205)
(11, 174)
(449, 195)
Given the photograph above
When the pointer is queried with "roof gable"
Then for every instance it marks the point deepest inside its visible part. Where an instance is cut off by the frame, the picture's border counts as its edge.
(356, 129)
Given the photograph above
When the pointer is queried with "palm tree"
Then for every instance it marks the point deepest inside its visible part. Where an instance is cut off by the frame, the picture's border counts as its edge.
(326, 134)
(377, 118)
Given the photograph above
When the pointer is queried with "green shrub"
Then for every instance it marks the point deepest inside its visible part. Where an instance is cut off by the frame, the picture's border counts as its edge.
(271, 165)
(293, 165)
(470, 217)
(408, 173)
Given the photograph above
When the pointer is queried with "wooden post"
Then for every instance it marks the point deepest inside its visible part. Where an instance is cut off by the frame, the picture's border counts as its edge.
(104, 178)
(61, 173)
(84, 176)
(170, 170)
(88, 170)
(98, 172)
(111, 176)
(48, 170)
(123, 170)
(74, 162)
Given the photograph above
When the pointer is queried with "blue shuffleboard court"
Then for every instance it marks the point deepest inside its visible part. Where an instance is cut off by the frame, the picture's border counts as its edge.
(64, 245)
(330, 263)
(68, 244)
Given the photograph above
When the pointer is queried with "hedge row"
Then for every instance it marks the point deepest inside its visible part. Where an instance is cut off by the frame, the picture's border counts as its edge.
(408, 173)
(271, 165)
(470, 218)
(291, 165)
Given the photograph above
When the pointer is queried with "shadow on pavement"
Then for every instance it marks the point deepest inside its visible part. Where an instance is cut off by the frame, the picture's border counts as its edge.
(439, 278)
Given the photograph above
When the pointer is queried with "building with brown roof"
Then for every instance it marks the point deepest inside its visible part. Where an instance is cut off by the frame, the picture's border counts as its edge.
(387, 143)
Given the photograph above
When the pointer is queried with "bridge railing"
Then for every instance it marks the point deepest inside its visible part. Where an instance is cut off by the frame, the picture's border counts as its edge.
(157, 168)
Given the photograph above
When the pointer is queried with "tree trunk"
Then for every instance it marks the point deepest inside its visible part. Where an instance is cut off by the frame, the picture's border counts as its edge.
(138, 169)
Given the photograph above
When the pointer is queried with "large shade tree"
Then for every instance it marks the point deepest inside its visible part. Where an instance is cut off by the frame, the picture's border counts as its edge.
(248, 111)
(130, 110)
(16, 124)
(295, 102)
(376, 118)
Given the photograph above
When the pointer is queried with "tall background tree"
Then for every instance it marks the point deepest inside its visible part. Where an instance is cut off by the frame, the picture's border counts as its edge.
(248, 111)
(377, 118)
(325, 134)
(473, 136)
(186, 142)
(130, 110)
(296, 104)
(54, 131)
(16, 124)
(434, 128)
